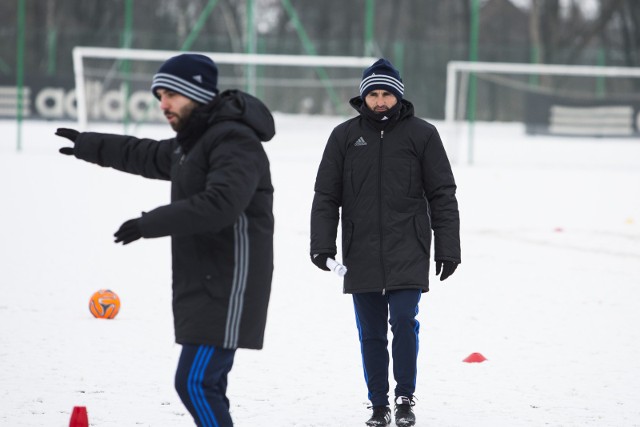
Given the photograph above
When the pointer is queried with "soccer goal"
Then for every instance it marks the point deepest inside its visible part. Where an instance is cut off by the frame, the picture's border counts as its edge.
(113, 84)
(560, 100)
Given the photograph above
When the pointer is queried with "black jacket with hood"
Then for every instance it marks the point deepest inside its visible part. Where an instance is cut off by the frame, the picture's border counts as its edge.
(393, 181)
(220, 217)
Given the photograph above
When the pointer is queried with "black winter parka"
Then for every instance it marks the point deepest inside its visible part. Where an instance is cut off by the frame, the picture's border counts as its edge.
(220, 217)
(394, 184)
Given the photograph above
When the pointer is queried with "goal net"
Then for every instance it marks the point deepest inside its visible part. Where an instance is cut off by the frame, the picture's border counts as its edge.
(561, 100)
(113, 85)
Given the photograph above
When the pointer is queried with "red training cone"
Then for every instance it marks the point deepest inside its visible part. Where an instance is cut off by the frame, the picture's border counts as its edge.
(79, 417)
(475, 358)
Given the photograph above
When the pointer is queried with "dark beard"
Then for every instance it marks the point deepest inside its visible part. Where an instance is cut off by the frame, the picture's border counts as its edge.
(192, 128)
(180, 124)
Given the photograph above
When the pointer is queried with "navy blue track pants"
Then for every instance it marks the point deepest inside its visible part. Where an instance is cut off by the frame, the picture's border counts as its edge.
(201, 382)
(373, 310)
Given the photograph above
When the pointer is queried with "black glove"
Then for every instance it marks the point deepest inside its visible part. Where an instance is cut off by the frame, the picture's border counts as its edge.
(447, 267)
(320, 260)
(71, 135)
(128, 232)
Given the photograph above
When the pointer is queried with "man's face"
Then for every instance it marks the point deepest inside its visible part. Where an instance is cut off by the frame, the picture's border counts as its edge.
(176, 108)
(380, 100)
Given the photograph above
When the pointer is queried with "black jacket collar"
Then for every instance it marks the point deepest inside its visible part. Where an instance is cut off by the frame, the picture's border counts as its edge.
(398, 112)
(229, 105)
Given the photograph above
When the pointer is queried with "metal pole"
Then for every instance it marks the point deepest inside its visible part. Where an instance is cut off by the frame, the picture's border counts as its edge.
(369, 22)
(601, 87)
(52, 36)
(202, 19)
(534, 79)
(473, 56)
(20, 72)
(450, 95)
(250, 69)
(571, 70)
(311, 50)
(230, 58)
(81, 89)
(398, 56)
(127, 37)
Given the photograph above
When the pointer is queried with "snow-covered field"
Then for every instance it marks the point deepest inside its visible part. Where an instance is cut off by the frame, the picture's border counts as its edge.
(548, 291)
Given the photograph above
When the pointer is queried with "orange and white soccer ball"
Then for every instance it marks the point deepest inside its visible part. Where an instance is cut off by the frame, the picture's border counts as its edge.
(104, 304)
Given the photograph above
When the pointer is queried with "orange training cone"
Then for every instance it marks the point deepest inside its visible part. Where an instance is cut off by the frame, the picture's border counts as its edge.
(79, 417)
(475, 358)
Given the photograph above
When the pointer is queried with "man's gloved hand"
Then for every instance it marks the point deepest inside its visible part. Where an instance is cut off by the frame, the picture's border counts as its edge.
(320, 260)
(447, 268)
(71, 135)
(128, 232)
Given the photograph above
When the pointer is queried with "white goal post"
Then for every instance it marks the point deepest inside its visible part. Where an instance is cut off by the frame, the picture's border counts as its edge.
(455, 67)
(619, 121)
(82, 52)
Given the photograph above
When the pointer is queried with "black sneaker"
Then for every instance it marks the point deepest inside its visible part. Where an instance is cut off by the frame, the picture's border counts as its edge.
(404, 412)
(381, 416)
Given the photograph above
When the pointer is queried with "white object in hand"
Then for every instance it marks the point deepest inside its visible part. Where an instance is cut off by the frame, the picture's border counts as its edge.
(336, 267)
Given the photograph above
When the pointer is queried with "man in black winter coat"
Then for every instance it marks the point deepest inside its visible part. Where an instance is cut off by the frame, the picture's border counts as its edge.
(220, 220)
(388, 172)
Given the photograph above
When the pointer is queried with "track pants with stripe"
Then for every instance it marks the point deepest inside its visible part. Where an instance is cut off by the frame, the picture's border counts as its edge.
(373, 310)
(201, 382)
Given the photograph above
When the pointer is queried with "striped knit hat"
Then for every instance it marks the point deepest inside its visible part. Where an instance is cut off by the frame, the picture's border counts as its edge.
(381, 75)
(192, 75)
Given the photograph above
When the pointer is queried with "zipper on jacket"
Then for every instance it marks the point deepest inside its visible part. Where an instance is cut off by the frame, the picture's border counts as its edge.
(182, 159)
(384, 278)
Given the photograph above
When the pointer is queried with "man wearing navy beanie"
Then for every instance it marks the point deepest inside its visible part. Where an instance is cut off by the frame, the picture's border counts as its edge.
(382, 75)
(220, 220)
(192, 75)
(386, 176)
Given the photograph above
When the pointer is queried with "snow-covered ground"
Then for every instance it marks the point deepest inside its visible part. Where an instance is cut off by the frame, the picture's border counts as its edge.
(547, 291)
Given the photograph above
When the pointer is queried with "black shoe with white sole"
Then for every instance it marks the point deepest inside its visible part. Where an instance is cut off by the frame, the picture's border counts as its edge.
(381, 416)
(404, 411)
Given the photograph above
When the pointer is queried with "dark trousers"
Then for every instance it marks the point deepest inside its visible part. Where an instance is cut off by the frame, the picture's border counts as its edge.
(201, 382)
(372, 312)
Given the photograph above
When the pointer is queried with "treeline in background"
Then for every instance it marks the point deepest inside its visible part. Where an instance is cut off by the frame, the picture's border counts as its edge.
(419, 36)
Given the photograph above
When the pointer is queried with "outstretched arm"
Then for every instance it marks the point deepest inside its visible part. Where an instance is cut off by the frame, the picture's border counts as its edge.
(145, 157)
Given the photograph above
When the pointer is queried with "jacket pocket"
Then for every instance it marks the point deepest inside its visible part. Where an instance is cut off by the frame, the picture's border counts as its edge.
(215, 266)
(423, 232)
(215, 287)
